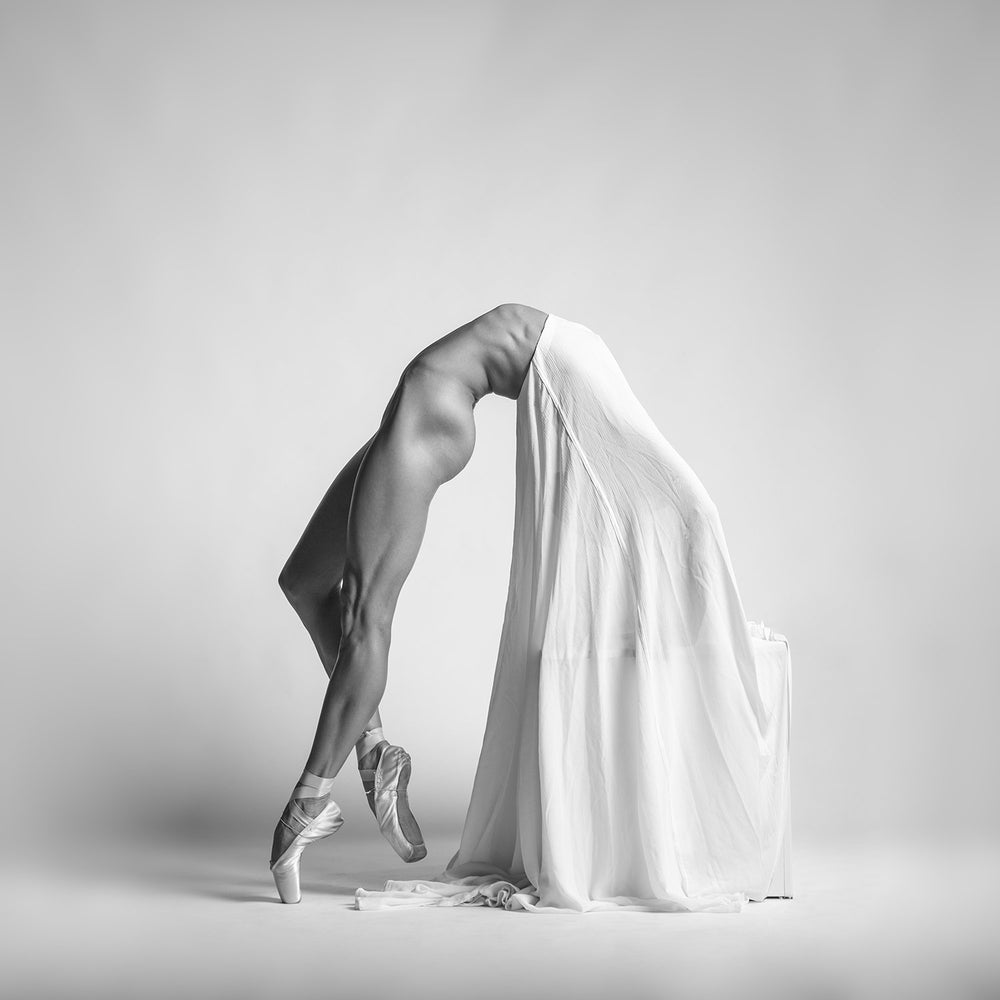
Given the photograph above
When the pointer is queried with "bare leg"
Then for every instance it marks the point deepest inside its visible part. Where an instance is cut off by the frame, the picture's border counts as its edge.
(386, 526)
(311, 577)
(396, 480)
(311, 580)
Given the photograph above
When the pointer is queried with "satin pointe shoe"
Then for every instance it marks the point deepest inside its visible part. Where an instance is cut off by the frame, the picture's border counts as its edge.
(307, 829)
(389, 779)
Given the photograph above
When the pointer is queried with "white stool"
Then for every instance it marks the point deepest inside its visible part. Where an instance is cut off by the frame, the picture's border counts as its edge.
(774, 678)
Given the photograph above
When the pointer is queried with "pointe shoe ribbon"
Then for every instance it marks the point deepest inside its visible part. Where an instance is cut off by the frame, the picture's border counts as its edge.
(389, 778)
(310, 829)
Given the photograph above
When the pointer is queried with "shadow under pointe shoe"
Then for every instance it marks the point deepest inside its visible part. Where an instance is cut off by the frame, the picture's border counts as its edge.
(388, 780)
(306, 830)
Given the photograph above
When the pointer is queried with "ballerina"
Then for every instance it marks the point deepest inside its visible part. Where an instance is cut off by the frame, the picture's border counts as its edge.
(636, 746)
(344, 576)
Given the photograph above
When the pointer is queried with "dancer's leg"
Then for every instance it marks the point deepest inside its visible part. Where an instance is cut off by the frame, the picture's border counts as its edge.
(395, 485)
(311, 577)
(396, 481)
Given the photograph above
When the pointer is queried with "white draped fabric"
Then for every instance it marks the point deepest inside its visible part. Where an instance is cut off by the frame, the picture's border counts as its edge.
(630, 759)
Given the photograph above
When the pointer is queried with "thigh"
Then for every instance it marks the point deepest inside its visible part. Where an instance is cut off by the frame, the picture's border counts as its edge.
(396, 483)
(317, 561)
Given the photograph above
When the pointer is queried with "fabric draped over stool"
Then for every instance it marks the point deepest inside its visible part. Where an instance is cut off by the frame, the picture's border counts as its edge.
(635, 753)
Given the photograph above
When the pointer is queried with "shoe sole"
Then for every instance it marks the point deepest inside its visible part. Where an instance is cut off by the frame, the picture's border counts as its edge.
(403, 802)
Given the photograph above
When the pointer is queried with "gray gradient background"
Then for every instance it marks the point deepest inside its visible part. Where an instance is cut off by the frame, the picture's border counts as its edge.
(225, 230)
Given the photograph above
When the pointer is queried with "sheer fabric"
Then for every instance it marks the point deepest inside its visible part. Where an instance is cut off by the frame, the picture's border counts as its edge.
(629, 756)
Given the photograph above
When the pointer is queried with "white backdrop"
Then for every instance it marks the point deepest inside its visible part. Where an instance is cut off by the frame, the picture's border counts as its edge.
(226, 228)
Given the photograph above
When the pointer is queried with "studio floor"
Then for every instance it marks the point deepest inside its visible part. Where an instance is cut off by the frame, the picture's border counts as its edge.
(201, 919)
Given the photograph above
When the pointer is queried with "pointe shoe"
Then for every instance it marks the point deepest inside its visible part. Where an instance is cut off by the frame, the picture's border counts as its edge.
(312, 828)
(390, 776)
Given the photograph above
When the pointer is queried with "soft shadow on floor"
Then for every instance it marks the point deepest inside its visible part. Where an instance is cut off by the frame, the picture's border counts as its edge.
(166, 919)
(218, 868)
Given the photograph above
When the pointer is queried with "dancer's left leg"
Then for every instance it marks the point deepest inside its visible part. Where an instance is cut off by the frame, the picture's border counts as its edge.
(396, 481)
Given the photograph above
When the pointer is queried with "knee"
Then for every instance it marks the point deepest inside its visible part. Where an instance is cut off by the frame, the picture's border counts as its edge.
(365, 619)
(301, 592)
(366, 624)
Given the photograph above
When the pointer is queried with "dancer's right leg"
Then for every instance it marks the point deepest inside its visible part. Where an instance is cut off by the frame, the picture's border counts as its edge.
(396, 480)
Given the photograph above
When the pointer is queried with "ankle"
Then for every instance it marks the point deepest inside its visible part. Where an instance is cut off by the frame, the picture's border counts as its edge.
(369, 747)
(367, 761)
(312, 785)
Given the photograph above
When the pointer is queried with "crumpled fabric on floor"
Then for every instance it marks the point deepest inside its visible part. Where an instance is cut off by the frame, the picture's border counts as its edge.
(627, 736)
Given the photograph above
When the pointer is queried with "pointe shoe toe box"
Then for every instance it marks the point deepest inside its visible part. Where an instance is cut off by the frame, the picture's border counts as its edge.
(391, 776)
(286, 868)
